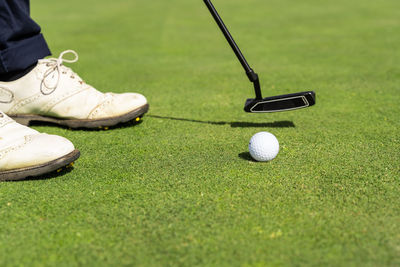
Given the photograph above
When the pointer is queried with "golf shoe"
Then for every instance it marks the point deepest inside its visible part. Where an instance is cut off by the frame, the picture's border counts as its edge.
(52, 92)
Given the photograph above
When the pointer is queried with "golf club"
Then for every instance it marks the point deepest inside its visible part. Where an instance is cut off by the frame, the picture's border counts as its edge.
(260, 104)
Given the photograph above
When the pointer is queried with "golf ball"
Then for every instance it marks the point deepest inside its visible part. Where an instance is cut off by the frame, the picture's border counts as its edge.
(263, 146)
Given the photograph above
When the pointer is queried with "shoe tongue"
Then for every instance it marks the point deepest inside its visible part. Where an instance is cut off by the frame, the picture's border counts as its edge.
(50, 82)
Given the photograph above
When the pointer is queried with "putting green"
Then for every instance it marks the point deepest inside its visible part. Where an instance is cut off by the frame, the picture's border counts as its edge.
(179, 188)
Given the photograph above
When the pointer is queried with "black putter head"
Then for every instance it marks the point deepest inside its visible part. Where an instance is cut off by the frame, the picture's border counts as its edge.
(260, 104)
(280, 102)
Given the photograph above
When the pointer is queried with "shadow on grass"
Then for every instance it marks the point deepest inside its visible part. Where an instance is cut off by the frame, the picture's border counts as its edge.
(99, 129)
(246, 156)
(235, 124)
(47, 176)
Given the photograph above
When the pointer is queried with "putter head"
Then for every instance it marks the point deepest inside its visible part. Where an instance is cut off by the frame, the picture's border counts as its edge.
(280, 102)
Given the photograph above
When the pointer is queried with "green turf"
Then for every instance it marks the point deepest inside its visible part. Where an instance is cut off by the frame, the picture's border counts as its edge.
(179, 188)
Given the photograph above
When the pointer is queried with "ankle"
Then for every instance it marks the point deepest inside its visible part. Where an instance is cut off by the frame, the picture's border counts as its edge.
(15, 75)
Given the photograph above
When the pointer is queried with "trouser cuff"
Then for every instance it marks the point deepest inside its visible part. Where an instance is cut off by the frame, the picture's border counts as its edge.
(23, 54)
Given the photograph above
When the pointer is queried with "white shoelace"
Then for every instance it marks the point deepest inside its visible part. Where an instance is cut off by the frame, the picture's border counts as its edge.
(55, 64)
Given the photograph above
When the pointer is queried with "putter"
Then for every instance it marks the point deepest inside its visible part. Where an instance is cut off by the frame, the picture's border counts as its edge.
(260, 104)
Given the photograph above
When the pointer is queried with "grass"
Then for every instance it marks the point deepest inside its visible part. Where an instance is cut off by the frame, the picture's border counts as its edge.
(179, 188)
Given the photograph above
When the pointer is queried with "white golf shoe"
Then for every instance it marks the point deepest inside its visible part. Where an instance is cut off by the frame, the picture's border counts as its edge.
(53, 93)
(25, 152)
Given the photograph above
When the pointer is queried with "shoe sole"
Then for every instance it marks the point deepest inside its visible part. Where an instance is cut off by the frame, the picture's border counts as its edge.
(41, 169)
(26, 119)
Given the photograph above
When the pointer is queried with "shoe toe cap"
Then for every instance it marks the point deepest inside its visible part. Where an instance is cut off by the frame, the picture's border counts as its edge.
(129, 101)
(118, 104)
(35, 150)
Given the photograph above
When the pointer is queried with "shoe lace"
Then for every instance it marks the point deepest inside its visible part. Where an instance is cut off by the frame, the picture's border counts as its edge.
(56, 65)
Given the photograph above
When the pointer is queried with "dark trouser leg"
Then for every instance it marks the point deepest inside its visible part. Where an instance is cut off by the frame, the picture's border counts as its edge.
(21, 43)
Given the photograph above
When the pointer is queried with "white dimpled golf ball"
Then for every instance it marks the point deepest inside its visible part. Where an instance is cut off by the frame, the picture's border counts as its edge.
(263, 146)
